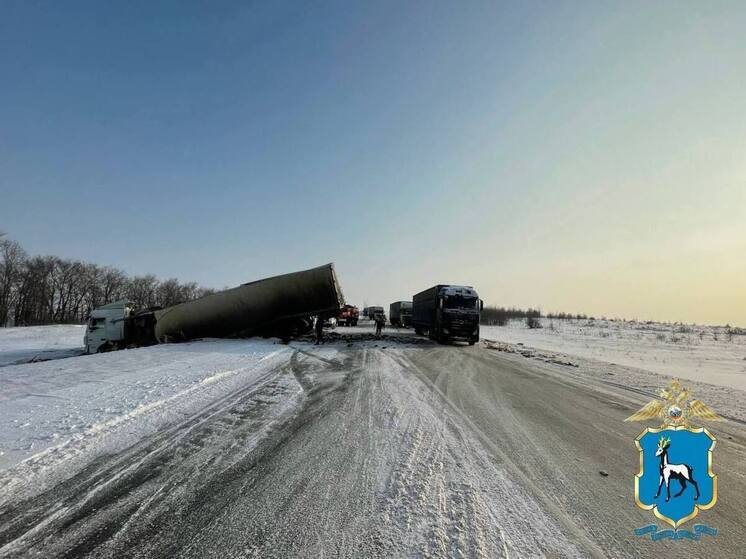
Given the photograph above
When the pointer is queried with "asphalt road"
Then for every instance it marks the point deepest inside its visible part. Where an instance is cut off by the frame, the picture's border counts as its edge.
(397, 449)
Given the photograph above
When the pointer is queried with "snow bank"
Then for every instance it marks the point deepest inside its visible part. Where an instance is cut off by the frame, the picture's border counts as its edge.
(73, 410)
(39, 343)
(710, 354)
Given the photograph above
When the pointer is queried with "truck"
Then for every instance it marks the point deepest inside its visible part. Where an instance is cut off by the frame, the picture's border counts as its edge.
(374, 311)
(447, 312)
(348, 316)
(278, 306)
(400, 313)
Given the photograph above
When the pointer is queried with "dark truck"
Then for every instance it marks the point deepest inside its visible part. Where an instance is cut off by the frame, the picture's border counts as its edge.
(400, 313)
(447, 312)
(374, 311)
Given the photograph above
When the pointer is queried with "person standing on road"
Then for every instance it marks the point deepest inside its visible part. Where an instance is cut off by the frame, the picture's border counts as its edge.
(380, 319)
(319, 330)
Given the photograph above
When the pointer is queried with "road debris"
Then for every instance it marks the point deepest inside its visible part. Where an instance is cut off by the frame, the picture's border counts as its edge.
(529, 353)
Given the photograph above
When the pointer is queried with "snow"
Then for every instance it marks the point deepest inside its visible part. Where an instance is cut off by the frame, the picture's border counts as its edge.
(67, 412)
(39, 343)
(706, 354)
(57, 416)
(445, 475)
(446, 486)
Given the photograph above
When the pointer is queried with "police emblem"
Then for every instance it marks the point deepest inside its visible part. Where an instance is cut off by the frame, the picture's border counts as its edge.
(675, 480)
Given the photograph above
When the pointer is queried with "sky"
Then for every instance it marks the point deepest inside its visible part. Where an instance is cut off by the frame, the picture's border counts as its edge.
(573, 156)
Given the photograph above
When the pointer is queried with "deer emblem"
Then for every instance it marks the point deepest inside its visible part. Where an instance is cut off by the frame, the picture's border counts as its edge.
(669, 471)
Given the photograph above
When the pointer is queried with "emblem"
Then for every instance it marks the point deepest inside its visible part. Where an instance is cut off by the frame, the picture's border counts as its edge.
(675, 480)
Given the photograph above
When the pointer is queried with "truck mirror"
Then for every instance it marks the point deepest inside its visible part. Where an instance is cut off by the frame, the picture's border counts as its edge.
(481, 305)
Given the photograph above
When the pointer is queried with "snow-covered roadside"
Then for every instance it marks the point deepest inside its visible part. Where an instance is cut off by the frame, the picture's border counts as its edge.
(705, 354)
(57, 416)
(40, 343)
(726, 401)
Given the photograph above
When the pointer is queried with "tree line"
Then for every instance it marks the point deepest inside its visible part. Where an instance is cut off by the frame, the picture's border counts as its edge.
(38, 290)
(499, 316)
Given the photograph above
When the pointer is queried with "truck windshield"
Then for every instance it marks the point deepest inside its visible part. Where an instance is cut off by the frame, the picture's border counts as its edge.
(461, 302)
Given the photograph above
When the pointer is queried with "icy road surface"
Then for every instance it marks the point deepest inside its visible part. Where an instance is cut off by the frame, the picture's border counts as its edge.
(357, 448)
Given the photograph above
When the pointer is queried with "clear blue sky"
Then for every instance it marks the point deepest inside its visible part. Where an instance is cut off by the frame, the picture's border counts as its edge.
(577, 156)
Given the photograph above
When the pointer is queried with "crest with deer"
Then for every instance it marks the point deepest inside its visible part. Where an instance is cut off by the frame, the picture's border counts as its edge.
(668, 471)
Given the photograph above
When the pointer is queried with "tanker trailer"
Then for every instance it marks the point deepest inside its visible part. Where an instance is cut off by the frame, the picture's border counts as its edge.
(268, 305)
(278, 306)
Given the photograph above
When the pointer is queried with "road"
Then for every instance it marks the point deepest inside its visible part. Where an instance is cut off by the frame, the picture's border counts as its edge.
(399, 448)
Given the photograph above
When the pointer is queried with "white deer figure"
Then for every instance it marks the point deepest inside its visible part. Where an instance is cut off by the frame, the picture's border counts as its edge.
(668, 471)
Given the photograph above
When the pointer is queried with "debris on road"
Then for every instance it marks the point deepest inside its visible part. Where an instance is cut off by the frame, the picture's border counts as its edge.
(528, 353)
(350, 338)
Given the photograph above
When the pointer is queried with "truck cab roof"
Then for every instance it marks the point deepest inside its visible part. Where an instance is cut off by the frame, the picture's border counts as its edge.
(463, 290)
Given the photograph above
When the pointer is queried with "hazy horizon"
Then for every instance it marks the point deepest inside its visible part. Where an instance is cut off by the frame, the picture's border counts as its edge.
(579, 159)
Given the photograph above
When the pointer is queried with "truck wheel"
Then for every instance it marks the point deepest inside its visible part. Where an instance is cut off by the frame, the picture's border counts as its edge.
(419, 331)
(472, 342)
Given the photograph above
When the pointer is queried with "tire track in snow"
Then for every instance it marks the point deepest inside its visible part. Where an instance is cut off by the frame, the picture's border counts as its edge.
(447, 496)
(101, 502)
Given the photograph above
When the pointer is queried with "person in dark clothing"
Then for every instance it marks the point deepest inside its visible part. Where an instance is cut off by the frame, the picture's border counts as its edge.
(380, 319)
(319, 330)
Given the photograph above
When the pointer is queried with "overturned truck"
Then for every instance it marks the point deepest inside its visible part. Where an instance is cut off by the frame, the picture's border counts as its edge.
(279, 306)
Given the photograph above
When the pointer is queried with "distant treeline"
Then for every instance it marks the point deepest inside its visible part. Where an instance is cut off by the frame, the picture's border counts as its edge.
(568, 316)
(499, 316)
(51, 290)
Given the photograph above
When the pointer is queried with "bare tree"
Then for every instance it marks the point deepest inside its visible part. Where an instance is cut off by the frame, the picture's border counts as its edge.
(141, 290)
(168, 293)
(36, 292)
(48, 289)
(12, 259)
(113, 285)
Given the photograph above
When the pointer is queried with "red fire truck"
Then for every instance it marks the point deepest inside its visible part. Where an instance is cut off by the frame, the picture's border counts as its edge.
(348, 316)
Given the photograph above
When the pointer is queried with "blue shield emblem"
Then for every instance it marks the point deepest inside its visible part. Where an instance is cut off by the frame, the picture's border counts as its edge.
(676, 479)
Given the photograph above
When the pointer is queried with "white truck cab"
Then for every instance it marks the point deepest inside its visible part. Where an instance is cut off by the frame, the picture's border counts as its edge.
(105, 328)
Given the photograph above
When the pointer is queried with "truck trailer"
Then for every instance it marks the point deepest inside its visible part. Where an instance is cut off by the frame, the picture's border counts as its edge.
(400, 313)
(279, 306)
(447, 312)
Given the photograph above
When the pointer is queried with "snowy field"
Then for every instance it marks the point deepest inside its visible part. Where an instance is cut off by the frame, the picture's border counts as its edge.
(708, 354)
(67, 412)
(39, 343)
